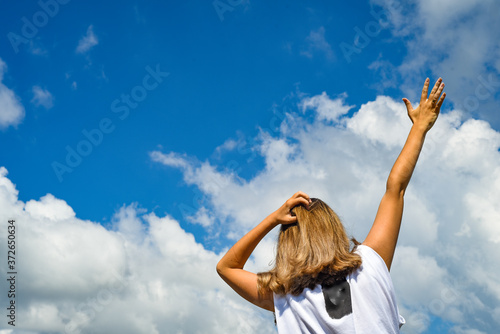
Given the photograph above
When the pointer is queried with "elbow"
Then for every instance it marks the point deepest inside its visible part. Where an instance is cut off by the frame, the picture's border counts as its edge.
(394, 187)
(220, 268)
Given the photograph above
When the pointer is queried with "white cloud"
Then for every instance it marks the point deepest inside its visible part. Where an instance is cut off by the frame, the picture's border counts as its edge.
(326, 108)
(439, 270)
(420, 279)
(316, 42)
(458, 40)
(49, 207)
(42, 97)
(458, 330)
(202, 217)
(88, 41)
(11, 110)
(172, 159)
(228, 145)
(78, 277)
(77, 272)
(373, 122)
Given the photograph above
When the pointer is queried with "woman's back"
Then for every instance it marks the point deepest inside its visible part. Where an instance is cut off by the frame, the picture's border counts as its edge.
(364, 303)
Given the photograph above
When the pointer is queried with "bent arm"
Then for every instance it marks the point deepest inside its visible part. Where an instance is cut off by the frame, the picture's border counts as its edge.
(230, 267)
(384, 233)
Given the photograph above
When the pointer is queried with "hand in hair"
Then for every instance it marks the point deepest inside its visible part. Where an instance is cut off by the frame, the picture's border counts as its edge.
(230, 267)
(428, 110)
(284, 215)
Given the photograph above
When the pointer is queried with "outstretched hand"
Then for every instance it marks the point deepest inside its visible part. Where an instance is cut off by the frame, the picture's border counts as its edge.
(427, 112)
(284, 215)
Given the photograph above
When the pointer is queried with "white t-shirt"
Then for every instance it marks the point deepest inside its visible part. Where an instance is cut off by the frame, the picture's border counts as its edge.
(364, 303)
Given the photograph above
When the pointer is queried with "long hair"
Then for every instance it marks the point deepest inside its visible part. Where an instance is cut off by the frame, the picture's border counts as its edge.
(313, 250)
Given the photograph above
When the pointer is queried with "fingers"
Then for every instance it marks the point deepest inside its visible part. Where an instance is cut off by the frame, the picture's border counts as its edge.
(425, 90)
(436, 86)
(285, 215)
(440, 102)
(299, 198)
(408, 104)
(300, 193)
(436, 91)
(289, 219)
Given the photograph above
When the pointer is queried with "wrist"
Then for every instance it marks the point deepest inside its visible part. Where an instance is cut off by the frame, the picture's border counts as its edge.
(420, 128)
(272, 220)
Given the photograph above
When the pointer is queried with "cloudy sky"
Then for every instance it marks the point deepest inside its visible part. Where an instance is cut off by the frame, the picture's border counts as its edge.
(139, 140)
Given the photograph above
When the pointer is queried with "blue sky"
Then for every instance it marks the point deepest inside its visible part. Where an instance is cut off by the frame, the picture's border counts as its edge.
(224, 77)
(144, 124)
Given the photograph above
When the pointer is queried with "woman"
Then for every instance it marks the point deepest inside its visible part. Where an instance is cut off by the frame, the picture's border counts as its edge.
(319, 284)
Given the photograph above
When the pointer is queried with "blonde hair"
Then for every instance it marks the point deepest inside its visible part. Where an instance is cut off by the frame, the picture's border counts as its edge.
(313, 250)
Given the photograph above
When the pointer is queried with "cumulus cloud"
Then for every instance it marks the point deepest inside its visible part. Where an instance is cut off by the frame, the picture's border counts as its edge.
(457, 40)
(11, 110)
(42, 97)
(79, 277)
(88, 41)
(326, 108)
(446, 263)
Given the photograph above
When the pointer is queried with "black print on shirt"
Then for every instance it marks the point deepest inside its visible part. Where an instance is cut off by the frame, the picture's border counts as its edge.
(338, 299)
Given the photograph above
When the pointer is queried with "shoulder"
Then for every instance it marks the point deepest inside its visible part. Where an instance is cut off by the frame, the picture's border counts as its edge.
(371, 258)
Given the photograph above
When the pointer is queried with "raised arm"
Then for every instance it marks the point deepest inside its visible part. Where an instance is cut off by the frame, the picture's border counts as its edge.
(383, 235)
(230, 267)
